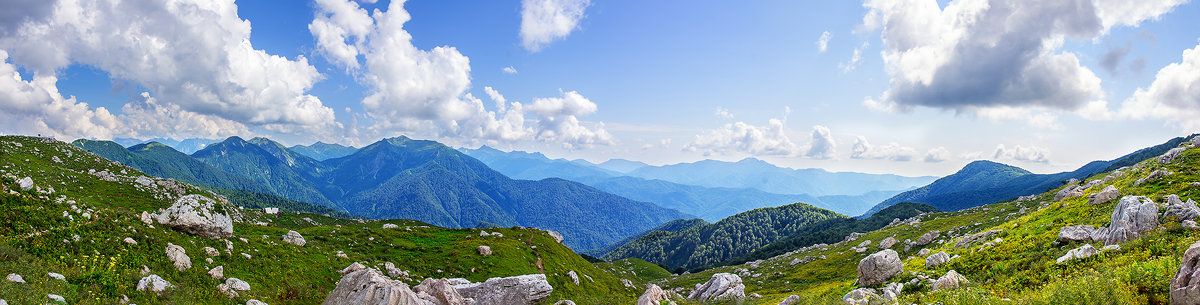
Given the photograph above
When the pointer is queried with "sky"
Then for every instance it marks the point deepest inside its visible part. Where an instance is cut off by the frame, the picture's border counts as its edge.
(908, 87)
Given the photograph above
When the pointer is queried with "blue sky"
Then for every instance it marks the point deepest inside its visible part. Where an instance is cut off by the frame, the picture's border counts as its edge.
(901, 86)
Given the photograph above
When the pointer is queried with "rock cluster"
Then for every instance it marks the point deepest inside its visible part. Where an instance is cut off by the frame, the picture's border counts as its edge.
(951, 280)
(517, 290)
(722, 286)
(196, 215)
(178, 257)
(1185, 286)
(928, 237)
(653, 296)
(936, 259)
(153, 283)
(1104, 196)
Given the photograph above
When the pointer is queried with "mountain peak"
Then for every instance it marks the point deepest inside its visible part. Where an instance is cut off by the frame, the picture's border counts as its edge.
(989, 166)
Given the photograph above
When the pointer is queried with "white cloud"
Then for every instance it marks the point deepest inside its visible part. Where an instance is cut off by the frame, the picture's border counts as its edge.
(1021, 153)
(855, 59)
(36, 107)
(146, 117)
(509, 70)
(937, 154)
(822, 146)
(1173, 96)
(823, 42)
(418, 90)
(771, 139)
(195, 54)
(892, 151)
(977, 54)
(723, 113)
(544, 21)
(1031, 115)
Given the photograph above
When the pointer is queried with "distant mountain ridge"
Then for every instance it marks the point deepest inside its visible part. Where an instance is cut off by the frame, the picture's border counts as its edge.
(986, 182)
(186, 146)
(322, 151)
(709, 203)
(758, 174)
(422, 180)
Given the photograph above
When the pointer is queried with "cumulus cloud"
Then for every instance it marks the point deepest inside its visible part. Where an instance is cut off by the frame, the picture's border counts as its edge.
(412, 89)
(893, 151)
(509, 70)
(1173, 96)
(771, 139)
(1036, 119)
(855, 59)
(195, 54)
(822, 146)
(36, 107)
(544, 21)
(1021, 153)
(147, 117)
(823, 42)
(937, 154)
(981, 54)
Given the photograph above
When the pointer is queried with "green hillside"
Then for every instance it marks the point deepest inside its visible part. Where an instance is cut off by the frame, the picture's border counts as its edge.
(729, 238)
(322, 151)
(1015, 265)
(46, 231)
(248, 160)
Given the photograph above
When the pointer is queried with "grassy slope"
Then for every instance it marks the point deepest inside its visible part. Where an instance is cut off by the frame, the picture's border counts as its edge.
(1019, 270)
(36, 238)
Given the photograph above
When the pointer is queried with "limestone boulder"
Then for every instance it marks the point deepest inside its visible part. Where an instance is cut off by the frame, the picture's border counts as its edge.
(1104, 196)
(1079, 233)
(517, 290)
(178, 257)
(879, 267)
(951, 280)
(887, 243)
(653, 296)
(369, 287)
(721, 286)
(293, 237)
(197, 215)
(440, 292)
(153, 283)
(1185, 286)
(937, 259)
(1132, 216)
(1084, 251)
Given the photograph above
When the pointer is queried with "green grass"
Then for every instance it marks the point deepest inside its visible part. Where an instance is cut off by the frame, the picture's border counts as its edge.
(36, 238)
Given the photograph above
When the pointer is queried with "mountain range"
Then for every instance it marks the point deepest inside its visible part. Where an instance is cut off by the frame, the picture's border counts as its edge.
(404, 178)
(710, 203)
(985, 182)
(322, 151)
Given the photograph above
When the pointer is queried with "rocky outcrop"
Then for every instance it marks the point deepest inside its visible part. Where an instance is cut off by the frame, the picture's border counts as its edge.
(887, 243)
(1132, 216)
(440, 292)
(197, 215)
(1185, 286)
(790, 300)
(153, 283)
(293, 237)
(178, 257)
(1080, 233)
(231, 287)
(952, 280)
(369, 287)
(928, 237)
(1152, 176)
(1180, 210)
(15, 278)
(1170, 155)
(25, 184)
(1104, 196)
(484, 250)
(653, 296)
(574, 277)
(390, 226)
(516, 290)
(891, 291)
(1084, 251)
(879, 267)
(352, 268)
(217, 272)
(936, 259)
(860, 296)
(557, 236)
(967, 241)
(722, 286)
(1071, 191)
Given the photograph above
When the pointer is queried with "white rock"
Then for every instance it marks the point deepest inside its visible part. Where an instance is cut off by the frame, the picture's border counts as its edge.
(255, 302)
(1185, 286)
(879, 267)
(130, 241)
(25, 183)
(653, 296)
(153, 283)
(15, 278)
(1105, 195)
(557, 236)
(887, 243)
(353, 267)
(56, 276)
(390, 226)
(574, 277)
(516, 290)
(951, 280)
(178, 256)
(56, 298)
(271, 211)
(197, 215)
(210, 251)
(722, 286)
(293, 237)
(368, 286)
(1084, 251)
(484, 250)
(217, 272)
(1076, 233)
(937, 259)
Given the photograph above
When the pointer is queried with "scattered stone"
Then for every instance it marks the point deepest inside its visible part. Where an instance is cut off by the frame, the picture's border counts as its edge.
(197, 215)
(484, 250)
(25, 183)
(722, 286)
(1071, 191)
(1132, 216)
(217, 272)
(294, 238)
(1152, 176)
(255, 302)
(923, 252)
(517, 290)
(56, 298)
(394, 272)
(952, 280)
(627, 283)
(1185, 286)
(864, 244)
(887, 243)
(967, 241)
(1104, 196)
(130, 241)
(1190, 224)
(147, 218)
(564, 302)
(153, 283)
(56, 276)
(1179, 209)
(271, 211)
(937, 259)
(1079, 233)
(927, 238)
(1084, 251)
(390, 226)
(861, 296)
(178, 256)
(1170, 155)
(879, 267)
(653, 296)
(574, 277)
(791, 299)
(341, 254)
(892, 291)
(232, 285)
(15, 278)
(210, 251)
